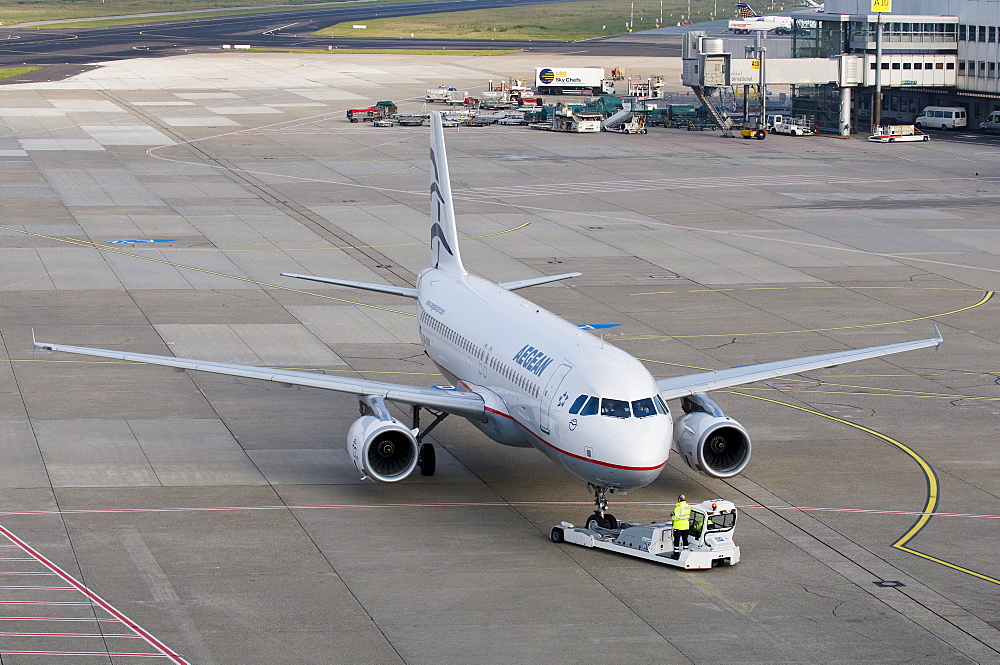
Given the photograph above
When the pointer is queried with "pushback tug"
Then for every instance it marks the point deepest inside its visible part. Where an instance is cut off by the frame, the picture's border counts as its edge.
(710, 538)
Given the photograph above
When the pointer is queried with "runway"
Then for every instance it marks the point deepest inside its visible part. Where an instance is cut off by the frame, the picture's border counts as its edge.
(222, 517)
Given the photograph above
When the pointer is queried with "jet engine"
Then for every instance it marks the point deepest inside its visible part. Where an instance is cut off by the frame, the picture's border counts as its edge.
(711, 442)
(383, 450)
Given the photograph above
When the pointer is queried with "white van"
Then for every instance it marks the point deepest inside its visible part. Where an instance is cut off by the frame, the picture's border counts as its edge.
(941, 117)
(991, 124)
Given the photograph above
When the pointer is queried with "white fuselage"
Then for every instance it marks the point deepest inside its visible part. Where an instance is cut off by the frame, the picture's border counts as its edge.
(532, 368)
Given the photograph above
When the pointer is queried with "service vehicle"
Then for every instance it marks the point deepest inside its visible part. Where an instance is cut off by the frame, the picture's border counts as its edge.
(758, 133)
(783, 124)
(991, 124)
(710, 537)
(559, 80)
(897, 134)
(941, 117)
(384, 122)
(569, 118)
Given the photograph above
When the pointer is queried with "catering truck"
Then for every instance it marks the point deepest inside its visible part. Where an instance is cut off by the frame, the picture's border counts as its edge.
(586, 80)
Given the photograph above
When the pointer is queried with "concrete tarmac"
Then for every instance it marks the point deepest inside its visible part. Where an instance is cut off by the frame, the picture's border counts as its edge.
(223, 516)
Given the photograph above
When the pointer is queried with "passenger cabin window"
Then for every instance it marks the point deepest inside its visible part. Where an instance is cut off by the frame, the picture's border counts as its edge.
(578, 404)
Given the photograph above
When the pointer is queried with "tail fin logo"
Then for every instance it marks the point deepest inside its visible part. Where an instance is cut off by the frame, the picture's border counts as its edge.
(438, 232)
(745, 10)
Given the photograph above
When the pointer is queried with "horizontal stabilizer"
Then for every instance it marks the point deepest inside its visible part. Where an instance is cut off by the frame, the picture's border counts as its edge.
(381, 288)
(525, 283)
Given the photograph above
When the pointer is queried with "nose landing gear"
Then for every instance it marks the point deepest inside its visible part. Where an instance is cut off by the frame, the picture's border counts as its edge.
(601, 518)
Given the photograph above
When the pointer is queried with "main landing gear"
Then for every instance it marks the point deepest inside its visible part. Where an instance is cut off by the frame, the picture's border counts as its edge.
(426, 457)
(601, 518)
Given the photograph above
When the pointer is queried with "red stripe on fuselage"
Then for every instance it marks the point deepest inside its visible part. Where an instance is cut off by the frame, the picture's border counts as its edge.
(553, 447)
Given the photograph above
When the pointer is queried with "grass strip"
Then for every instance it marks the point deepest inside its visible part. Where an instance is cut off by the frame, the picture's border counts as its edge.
(60, 10)
(12, 72)
(387, 51)
(564, 21)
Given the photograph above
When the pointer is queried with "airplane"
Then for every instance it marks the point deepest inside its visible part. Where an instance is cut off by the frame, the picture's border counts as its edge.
(749, 20)
(526, 377)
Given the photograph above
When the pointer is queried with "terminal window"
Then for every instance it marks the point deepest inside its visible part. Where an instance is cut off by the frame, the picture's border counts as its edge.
(993, 34)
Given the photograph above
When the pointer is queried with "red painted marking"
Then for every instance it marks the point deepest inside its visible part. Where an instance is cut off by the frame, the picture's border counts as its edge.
(450, 504)
(131, 637)
(59, 619)
(39, 602)
(97, 600)
(7, 652)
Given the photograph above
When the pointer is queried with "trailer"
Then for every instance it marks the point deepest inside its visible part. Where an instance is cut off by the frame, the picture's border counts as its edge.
(379, 111)
(710, 538)
(442, 94)
(586, 80)
(897, 133)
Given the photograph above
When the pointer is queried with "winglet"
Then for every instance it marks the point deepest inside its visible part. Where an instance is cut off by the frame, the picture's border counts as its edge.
(444, 234)
(937, 335)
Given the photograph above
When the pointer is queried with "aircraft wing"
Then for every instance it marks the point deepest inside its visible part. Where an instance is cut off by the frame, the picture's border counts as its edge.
(456, 402)
(683, 386)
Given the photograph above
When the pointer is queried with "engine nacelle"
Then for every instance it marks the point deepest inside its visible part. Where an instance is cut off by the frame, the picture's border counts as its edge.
(711, 442)
(383, 450)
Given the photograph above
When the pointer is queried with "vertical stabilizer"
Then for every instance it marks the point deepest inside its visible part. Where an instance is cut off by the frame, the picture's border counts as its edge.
(745, 10)
(444, 235)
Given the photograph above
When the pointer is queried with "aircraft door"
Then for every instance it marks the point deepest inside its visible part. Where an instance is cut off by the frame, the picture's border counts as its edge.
(484, 361)
(550, 396)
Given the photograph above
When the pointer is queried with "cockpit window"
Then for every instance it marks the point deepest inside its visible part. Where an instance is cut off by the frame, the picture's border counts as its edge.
(642, 408)
(615, 408)
(591, 407)
(578, 404)
(660, 406)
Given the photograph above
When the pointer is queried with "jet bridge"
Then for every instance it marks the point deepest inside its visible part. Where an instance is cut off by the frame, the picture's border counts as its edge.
(707, 66)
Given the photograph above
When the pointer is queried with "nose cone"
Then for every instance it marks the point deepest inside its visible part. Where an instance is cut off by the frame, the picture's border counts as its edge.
(638, 457)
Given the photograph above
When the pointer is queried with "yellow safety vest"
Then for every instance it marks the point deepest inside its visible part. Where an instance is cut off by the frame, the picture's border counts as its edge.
(681, 516)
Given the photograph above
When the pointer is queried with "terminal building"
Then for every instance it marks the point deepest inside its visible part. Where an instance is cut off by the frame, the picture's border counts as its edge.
(934, 53)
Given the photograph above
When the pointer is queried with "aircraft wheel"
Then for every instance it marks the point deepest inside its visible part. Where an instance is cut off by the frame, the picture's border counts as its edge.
(427, 460)
(596, 521)
(612, 520)
(556, 534)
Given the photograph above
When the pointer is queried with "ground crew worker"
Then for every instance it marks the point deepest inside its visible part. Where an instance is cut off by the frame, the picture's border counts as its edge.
(682, 522)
